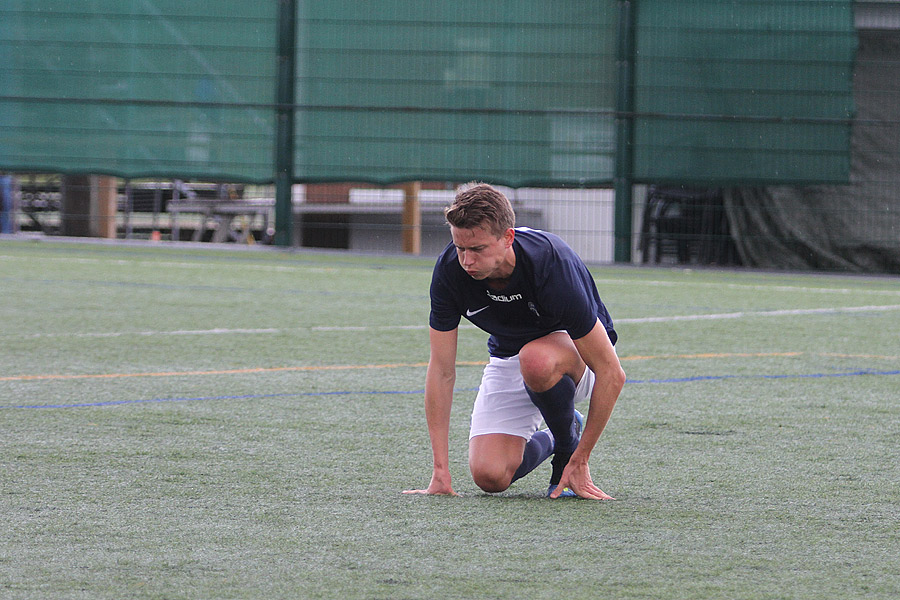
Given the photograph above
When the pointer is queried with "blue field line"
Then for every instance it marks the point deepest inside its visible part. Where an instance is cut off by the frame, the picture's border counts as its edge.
(207, 398)
(420, 391)
(784, 376)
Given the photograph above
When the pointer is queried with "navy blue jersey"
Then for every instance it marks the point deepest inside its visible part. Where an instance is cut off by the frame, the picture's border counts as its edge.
(550, 290)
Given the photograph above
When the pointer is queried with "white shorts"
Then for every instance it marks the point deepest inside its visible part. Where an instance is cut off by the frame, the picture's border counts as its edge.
(503, 405)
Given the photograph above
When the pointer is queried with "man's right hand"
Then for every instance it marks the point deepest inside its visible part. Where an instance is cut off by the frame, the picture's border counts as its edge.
(439, 486)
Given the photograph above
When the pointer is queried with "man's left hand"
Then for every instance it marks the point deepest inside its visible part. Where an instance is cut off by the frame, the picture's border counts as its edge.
(577, 477)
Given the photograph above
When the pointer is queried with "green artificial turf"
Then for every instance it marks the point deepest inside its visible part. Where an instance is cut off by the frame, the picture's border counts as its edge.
(187, 423)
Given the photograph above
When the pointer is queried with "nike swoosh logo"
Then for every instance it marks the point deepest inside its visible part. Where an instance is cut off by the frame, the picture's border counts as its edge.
(472, 313)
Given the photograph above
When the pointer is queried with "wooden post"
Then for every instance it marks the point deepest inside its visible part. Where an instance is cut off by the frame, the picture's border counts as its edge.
(412, 218)
(103, 206)
(88, 206)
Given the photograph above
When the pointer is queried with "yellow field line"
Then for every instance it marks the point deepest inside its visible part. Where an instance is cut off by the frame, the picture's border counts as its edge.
(704, 355)
(221, 371)
(714, 355)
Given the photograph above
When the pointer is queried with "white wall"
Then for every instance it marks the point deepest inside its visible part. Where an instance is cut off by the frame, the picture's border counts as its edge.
(583, 217)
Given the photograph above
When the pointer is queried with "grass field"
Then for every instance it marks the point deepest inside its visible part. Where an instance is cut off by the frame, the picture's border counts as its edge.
(185, 423)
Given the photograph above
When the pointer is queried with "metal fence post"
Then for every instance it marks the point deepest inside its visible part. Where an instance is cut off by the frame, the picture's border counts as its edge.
(624, 131)
(284, 122)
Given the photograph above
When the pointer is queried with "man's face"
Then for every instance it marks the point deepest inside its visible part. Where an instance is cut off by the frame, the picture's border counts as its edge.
(482, 254)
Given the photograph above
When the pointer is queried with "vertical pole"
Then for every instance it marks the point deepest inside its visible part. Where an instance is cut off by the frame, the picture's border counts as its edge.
(624, 131)
(129, 208)
(412, 218)
(176, 228)
(284, 122)
(103, 206)
(75, 207)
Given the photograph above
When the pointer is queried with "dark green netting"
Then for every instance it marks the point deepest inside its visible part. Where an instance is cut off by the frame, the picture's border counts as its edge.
(751, 91)
(386, 91)
(136, 88)
(512, 92)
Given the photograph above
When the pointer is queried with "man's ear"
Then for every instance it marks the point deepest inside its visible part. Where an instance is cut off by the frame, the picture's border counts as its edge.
(509, 236)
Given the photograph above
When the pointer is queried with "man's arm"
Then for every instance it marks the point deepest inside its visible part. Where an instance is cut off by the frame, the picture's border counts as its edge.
(598, 353)
(439, 381)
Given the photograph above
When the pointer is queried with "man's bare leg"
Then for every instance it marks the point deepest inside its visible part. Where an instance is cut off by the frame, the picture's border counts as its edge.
(494, 459)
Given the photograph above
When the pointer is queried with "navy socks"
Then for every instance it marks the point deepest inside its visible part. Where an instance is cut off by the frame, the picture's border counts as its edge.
(537, 450)
(557, 406)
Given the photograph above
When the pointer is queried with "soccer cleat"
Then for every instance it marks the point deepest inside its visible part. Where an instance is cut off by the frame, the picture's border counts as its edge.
(579, 424)
(566, 493)
(560, 461)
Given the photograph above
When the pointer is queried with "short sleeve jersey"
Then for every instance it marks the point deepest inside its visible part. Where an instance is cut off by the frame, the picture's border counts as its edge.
(550, 290)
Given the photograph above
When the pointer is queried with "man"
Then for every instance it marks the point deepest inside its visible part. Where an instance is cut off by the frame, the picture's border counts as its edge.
(7, 222)
(551, 344)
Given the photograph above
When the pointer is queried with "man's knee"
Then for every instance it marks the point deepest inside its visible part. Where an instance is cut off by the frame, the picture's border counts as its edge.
(493, 460)
(544, 361)
(491, 478)
(540, 370)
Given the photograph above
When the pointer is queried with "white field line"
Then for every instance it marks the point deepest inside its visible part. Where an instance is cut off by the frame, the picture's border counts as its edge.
(174, 264)
(764, 313)
(321, 269)
(707, 317)
(749, 286)
(218, 331)
(175, 332)
(273, 330)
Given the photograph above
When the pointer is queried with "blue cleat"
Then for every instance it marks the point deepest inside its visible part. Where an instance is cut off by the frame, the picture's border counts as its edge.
(579, 424)
(566, 493)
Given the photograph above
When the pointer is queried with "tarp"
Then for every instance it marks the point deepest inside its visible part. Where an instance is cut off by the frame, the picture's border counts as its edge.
(852, 227)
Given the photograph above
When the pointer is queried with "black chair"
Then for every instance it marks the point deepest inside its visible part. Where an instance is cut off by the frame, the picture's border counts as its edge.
(688, 223)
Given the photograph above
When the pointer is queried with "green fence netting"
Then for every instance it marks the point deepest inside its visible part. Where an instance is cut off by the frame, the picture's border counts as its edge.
(744, 92)
(512, 92)
(517, 92)
(138, 88)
